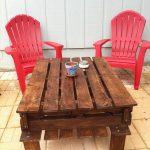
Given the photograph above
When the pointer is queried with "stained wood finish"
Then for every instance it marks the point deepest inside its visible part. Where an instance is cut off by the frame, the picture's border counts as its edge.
(31, 145)
(52, 91)
(67, 100)
(100, 96)
(89, 102)
(32, 97)
(30, 136)
(118, 93)
(51, 134)
(85, 132)
(83, 95)
(94, 131)
(117, 142)
(100, 131)
(66, 133)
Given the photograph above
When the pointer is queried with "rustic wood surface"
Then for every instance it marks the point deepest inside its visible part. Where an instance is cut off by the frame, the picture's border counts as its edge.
(94, 88)
(87, 103)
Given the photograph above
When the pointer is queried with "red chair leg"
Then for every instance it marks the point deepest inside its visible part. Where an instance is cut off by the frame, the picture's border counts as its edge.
(21, 79)
(137, 76)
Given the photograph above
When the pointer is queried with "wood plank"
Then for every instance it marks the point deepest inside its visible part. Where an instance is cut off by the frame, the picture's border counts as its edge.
(30, 136)
(84, 132)
(101, 98)
(51, 134)
(117, 91)
(80, 122)
(32, 145)
(41, 66)
(66, 133)
(52, 93)
(100, 131)
(67, 101)
(83, 95)
(32, 97)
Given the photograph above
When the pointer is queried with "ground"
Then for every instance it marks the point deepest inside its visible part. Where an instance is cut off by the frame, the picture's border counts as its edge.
(139, 139)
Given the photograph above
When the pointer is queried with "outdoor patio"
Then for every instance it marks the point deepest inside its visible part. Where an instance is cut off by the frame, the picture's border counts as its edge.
(10, 97)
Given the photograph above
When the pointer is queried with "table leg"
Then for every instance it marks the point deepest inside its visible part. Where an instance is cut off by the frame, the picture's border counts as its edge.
(31, 145)
(117, 142)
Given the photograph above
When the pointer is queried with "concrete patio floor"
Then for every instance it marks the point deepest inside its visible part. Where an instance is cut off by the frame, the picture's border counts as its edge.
(139, 139)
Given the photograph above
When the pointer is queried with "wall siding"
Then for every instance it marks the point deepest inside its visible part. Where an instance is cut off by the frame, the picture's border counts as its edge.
(74, 23)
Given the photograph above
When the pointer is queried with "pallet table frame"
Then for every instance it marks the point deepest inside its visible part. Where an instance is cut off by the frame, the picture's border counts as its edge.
(94, 98)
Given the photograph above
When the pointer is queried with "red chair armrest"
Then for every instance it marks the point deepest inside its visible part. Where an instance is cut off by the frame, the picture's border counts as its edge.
(58, 48)
(98, 46)
(53, 44)
(145, 44)
(9, 50)
(101, 42)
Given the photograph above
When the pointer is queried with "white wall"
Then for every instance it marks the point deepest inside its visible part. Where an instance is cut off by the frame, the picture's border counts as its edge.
(74, 23)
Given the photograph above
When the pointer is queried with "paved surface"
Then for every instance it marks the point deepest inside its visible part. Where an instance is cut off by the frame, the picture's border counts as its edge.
(10, 97)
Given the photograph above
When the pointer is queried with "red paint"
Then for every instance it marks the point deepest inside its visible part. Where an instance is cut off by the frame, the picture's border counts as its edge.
(25, 35)
(127, 29)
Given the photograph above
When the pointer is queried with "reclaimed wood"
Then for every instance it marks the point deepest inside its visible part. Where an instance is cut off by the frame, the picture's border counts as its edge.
(66, 133)
(100, 131)
(52, 91)
(106, 120)
(101, 98)
(89, 102)
(93, 131)
(51, 134)
(82, 132)
(117, 91)
(83, 95)
(32, 145)
(67, 100)
(32, 97)
(117, 142)
(28, 136)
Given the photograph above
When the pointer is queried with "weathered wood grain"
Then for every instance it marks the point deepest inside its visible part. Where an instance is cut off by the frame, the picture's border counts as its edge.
(66, 133)
(101, 98)
(83, 95)
(52, 91)
(117, 91)
(51, 134)
(32, 97)
(67, 101)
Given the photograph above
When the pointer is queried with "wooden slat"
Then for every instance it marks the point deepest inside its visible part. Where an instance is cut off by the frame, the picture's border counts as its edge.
(83, 96)
(116, 89)
(65, 133)
(100, 96)
(51, 134)
(52, 93)
(100, 131)
(67, 101)
(84, 132)
(30, 136)
(33, 94)
(41, 66)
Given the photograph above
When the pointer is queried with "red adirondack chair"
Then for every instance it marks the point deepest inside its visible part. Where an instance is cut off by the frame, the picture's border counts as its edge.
(127, 29)
(24, 33)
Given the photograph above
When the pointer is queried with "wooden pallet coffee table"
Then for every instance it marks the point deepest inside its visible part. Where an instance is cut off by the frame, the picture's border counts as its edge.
(94, 98)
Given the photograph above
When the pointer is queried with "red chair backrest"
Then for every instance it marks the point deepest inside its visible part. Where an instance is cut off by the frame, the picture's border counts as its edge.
(24, 33)
(127, 29)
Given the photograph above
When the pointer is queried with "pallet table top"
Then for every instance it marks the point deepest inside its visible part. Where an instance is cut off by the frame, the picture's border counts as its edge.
(49, 89)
